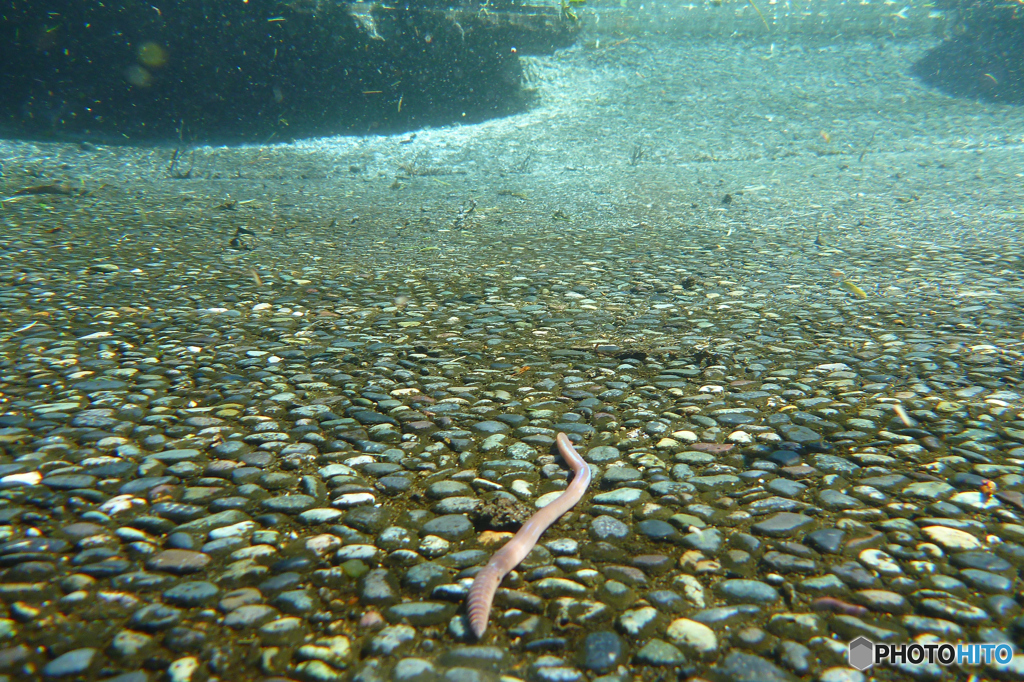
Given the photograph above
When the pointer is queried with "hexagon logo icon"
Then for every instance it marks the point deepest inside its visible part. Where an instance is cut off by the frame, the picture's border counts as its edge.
(861, 654)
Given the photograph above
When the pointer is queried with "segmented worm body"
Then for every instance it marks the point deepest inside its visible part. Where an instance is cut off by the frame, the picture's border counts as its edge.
(481, 594)
(834, 605)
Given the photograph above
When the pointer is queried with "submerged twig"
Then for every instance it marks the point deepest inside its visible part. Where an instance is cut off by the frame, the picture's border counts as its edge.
(172, 168)
(637, 154)
(756, 9)
(464, 213)
(866, 145)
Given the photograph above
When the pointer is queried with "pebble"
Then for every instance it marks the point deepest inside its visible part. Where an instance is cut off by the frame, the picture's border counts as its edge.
(951, 539)
(420, 613)
(638, 623)
(183, 669)
(478, 657)
(391, 640)
(608, 529)
(841, 675)
(742, 667)
(155, 617)
(414, 670)
(693, 638)
(178, 561)
(72, 664)
(659, 653)
(250, 616)
(783, 524)
(801, 627)
(191, 594)
(825, 540)
(129, 645)
(602, 651)
(283, 632)
(747, 591)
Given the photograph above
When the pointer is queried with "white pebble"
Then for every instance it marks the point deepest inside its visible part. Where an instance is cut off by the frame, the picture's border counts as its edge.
(880, 561)
(183, 669)
(433, 546)
(741, 437)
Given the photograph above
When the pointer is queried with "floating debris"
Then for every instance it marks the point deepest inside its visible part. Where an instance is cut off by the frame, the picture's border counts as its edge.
(902, 414)
(853, 289)
(512, 193)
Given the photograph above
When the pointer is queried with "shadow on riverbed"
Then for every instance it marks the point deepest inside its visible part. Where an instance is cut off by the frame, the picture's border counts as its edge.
(985, 62)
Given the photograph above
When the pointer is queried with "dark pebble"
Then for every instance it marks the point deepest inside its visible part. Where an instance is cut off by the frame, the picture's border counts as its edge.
(602, 651)
(782, 524)
(451, 527)
(491, 658)
(608, 529)
(826, 540)
(742, 667)
(191, 594)
(155, 617)
(421, 613)
(72, 664)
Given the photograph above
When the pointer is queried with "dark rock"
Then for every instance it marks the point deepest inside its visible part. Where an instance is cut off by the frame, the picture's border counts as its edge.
(154, 617)
(855, 575)
(608, 529)
(799, 434)
(295, 602)
(421, 613)
(178, 561)
(658, 652)
(368, 519)
(782, 524)
(491, 658)
(69, 482)
(984, 581)
(451, 527)
(982, 561)
(780, 562)
(379, 588)
(658, 531)
(786, 487)
(72, 664)
(747, 592)
(667, 601)
(249, 616)
(742, 667)
(289, 503)
(191, 594)
(182, 639)
(424, 577)
(708, 541)
(826, 540)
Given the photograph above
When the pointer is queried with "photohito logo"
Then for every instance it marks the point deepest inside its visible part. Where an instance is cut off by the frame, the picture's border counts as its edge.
(863, 653)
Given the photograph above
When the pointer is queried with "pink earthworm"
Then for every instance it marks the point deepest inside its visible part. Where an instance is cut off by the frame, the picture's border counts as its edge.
(834, 605)
(481, 594)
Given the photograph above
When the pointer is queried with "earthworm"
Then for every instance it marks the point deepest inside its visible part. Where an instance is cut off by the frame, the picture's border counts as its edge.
(481, 594)
(838, 606)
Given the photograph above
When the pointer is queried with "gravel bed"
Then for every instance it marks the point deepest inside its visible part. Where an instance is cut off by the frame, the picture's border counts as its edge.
(266, 421)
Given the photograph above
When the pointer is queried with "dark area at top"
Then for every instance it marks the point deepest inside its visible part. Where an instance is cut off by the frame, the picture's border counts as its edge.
(258, 71)
(985, 58)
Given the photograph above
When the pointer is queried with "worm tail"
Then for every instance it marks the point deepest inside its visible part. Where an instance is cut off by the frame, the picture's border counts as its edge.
(481, 595)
